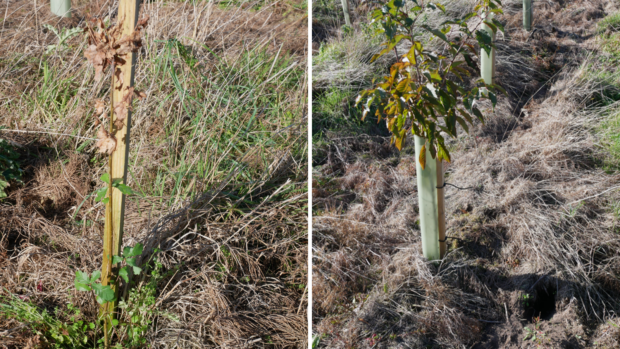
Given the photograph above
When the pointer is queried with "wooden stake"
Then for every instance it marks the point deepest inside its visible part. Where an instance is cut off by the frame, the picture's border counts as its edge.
(115, 210)
(441, 210)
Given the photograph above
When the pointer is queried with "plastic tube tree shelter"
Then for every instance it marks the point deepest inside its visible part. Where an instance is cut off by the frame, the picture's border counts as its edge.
(431, 203)
(345, 9)
(527, 15)
(487, 61)
(61, 8)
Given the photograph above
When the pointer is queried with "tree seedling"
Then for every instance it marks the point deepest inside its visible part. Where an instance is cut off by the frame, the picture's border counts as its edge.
(426, 92)
(113, 46)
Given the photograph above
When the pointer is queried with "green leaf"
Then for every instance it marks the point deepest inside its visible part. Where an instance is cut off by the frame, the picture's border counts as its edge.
(105, 201)
(3, 185)
(131, 261)
(485, 41)
(104, 294)
(136, 270)
(498, 24)
(116, 260)
(133, 251)
(478, 114)
(101, 193)
(82, 277)
(114, 322)
(124, 189)
(95, 276)
(124, 274)
(437, 33)
(442, 151)
(105, 178)
(493, 99)
(491, 26)
(81, 286)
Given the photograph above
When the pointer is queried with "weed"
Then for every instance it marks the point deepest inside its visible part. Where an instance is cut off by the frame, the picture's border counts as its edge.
(610, 23)
(536, 335)
(10, 166)
(63, 36)
(61, 335)
(526, 299)
(316, 340)
(139, 310)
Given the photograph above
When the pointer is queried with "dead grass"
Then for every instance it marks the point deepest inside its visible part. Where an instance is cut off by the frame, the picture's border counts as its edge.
(535, 233)
(218, 155)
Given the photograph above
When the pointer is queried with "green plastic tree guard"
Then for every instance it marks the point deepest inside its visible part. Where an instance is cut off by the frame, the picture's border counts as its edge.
(487, 62)
(345, 9)
(427, 198)
(527, 14)
(61, 8)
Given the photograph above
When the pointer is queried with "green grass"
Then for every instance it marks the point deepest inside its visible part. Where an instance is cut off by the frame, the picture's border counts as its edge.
(604, 72)
(72, 333)
(612, 21)
(205, 119)
(217, 119)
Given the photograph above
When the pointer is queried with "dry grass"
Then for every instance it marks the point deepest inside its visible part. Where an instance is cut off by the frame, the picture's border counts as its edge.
(218, 156)
(538, 220)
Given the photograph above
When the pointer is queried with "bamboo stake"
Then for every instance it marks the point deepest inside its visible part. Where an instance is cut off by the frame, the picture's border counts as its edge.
(113, 232)
(441, 209)
(487, 62)
(527, 14)
(427, 202)
(345, 8)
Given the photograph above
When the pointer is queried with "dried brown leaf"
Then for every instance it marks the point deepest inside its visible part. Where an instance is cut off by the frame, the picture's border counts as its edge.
(105, 142)
(99, 106)
(124, 105)
(140, 94)
(119, 124)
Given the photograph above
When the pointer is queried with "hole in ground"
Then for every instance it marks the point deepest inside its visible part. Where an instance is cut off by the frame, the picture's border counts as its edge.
(542, 304)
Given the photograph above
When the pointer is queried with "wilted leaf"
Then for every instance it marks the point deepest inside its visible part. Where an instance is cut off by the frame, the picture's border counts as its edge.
(423, 157)
(140, 94)
(123, 106)
(105, 142)
(99, 106)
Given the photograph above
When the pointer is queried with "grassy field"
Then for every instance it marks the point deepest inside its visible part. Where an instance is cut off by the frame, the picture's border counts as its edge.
(217, 159)
(532, 256)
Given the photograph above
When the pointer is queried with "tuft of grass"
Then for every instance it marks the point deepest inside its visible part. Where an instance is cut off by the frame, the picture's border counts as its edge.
(73, 333)
(611, 22)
